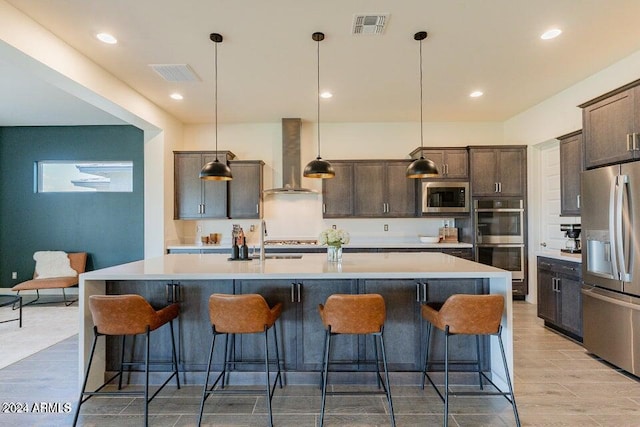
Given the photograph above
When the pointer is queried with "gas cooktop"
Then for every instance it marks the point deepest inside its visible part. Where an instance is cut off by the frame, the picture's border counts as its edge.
(292, 242)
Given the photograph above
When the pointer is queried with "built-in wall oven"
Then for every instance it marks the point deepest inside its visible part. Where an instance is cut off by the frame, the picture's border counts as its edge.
(499, 228)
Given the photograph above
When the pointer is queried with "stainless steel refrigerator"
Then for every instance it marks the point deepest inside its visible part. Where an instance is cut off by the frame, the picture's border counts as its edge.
(611, 264)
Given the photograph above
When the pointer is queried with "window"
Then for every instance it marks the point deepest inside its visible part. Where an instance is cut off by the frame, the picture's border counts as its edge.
(84, 176)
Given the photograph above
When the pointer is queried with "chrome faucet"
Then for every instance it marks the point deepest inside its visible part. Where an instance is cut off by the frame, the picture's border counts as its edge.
(263, 232)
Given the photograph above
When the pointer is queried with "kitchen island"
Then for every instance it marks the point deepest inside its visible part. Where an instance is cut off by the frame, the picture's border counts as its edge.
(404, 279)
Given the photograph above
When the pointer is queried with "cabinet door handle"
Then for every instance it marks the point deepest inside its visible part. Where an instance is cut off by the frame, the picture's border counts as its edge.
(553, 284)
(499, 187)
(495, 187)
(424, 291)
(635, 141)
(558, 284)
(628, 142)
(204, 208)
(417, 291)
(324, 208)
(257, 208)
(299, 286)
(446, 168)
(293, 293)
(578, 201)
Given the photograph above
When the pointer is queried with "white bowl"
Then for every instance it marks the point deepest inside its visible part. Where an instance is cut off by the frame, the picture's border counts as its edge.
(429, 239)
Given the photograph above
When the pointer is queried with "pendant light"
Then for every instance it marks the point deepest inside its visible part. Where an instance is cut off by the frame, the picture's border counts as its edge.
(216, 170)
(421, 168)
(318, 168)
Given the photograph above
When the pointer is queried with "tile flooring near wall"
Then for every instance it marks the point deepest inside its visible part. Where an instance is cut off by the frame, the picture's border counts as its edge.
(557, 384)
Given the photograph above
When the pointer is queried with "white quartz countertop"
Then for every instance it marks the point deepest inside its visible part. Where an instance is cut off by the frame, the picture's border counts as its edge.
(364, 245)
(310, 266)
(556, 254)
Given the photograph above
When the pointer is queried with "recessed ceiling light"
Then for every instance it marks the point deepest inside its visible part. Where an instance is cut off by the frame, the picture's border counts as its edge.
(326, 95)
(107, 38)
(551, 34)
(476, 94)
(176, 96)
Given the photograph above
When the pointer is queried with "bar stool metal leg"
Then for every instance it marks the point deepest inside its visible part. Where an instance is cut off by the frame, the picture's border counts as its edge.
(175, 355)
(426, 355)
(478, 361)
(325, 370)
(445, 422)
(146, 379)
(266, 370)
(275, 339)
(388, 384)
(121, 362)
(377, 360)
(86, 377)
(205, 395)
(506, 371)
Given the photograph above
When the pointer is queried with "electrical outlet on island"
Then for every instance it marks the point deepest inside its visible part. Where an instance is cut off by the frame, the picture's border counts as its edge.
(386, 227)
(14, 275)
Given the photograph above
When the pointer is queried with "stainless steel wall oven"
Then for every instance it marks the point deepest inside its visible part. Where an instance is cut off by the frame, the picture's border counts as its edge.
(499, 226)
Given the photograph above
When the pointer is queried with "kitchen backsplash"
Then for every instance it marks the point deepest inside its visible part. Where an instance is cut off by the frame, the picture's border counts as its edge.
(300, 217)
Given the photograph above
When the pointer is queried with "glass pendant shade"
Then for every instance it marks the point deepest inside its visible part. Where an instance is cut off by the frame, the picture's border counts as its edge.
(319, 168)
(216, 171)
(422, 168)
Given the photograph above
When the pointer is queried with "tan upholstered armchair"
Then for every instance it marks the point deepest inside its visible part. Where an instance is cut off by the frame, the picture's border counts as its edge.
(78, 262)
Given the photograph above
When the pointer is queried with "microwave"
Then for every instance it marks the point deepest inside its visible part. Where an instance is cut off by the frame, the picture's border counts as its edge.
(445, 197)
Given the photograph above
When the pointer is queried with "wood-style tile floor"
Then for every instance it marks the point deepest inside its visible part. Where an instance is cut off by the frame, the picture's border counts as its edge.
(557, 384)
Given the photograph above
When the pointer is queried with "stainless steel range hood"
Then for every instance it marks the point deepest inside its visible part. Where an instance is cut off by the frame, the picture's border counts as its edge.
(291, 170)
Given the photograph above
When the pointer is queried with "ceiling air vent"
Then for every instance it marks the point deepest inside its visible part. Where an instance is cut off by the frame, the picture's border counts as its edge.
(369, 24)
(175, 72)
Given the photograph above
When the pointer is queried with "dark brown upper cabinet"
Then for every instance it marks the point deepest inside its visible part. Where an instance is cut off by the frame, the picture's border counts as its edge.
(369, 189)
(571, 165)
(452, 163)
(498, 171)
(245, 189)
(193, 197)
(611, 127)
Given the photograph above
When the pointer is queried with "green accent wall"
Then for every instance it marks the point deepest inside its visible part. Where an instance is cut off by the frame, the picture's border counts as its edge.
(108, 226)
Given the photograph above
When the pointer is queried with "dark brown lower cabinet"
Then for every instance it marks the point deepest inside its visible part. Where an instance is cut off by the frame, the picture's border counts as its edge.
(559, 297)
(300, 330)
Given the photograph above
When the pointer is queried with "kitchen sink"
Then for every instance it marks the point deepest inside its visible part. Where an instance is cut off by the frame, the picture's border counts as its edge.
(283, 256)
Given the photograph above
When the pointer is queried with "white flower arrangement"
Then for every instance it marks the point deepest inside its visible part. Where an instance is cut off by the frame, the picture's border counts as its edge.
(333, 237)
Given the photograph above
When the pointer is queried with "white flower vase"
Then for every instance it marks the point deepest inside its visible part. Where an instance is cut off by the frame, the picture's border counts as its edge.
(334, 253)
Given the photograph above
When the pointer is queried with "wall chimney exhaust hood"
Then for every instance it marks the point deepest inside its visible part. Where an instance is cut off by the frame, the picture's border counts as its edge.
(291, 170)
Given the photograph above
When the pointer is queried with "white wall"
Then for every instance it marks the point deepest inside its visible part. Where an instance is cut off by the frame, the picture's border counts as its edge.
(24, 43)
(554, 117)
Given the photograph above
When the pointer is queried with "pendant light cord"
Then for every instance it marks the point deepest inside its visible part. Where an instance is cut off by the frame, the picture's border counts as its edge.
(215, 96)
(318, 95)
(421, 133)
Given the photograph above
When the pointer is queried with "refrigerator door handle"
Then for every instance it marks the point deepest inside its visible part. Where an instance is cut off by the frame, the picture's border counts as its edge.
(613, 213)
(623, 185)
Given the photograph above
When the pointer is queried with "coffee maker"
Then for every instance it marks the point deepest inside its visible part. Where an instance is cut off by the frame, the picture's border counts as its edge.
(572, 233)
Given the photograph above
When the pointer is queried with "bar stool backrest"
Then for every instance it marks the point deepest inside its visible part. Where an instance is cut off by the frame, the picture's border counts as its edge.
(240, 314)
(354, 314)
(123, 314)
(472, 314)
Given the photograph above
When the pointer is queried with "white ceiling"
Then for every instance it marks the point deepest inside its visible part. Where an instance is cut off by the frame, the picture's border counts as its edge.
(267, 62)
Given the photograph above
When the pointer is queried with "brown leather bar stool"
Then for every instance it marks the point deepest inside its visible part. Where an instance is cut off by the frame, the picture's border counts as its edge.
(467, 315)
(128, 315)
(241, 314)
(362, 314)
